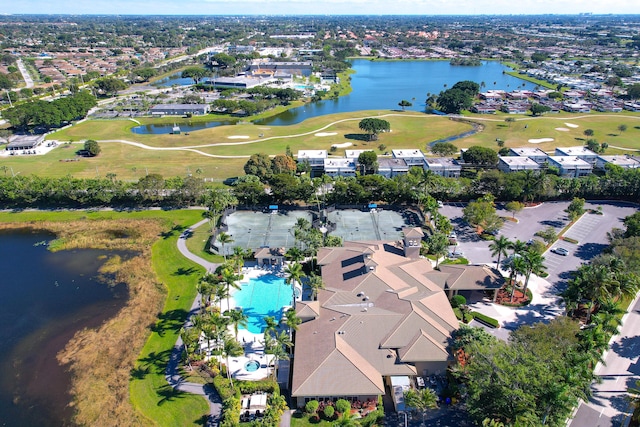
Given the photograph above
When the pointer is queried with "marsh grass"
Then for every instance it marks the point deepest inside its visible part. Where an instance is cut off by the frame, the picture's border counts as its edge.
(104, 362)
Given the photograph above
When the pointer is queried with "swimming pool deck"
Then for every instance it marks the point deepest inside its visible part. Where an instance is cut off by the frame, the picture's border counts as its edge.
(253, 343)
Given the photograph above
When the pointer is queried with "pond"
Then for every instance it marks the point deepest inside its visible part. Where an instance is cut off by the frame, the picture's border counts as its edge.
(159, 129)
(45, 298)
(383, 84)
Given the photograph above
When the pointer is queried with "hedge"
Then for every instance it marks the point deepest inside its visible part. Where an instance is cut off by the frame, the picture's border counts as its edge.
(490, 321)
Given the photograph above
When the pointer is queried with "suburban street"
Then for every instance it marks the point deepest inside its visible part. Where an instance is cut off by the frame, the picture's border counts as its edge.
(608, 406)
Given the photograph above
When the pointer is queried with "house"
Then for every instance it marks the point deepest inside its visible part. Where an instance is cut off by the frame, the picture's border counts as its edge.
(411, 157)
(315, 158)
(626, 162)
(443, 166)
(179, 109)
(270, 256)
(534, 153)
(468, 279)
(339, 167)
(516, 163)
(483, 108)
(580, 151)
(577, 107)
(391, 167)
(570, 166)
(378, 318)
(354, 154)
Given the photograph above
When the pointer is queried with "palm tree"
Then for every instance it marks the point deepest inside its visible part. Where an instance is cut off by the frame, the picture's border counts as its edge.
(231, 348)
(279, 353)
(224, 238)
(517, 266)
(238, 258)
(284, 340)
(518, 247)
(534, 262)
(221, 292)
(294, 274)
(190, 337)
(271, 324)
(230, 277)
(292, 320)
(206, 287)
(499, 247)
(315, 284)
(237, 318)
(609, 316)
(347, 420)
(634, 398)
(421, 400)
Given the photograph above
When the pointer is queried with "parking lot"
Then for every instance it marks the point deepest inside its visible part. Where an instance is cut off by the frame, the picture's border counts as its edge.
(590, 231)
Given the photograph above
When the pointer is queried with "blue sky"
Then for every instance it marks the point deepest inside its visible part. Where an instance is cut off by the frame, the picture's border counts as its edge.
(321, 7)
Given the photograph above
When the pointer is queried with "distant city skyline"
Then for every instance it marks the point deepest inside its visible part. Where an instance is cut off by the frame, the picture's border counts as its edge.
(323, 7)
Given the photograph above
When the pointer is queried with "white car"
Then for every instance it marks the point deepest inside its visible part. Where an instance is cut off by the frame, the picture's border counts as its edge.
(560, 251)
(456, 254)
(440, 204)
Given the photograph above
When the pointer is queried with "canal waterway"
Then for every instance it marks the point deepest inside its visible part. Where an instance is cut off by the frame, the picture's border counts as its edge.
(45, 298)
(383, 84)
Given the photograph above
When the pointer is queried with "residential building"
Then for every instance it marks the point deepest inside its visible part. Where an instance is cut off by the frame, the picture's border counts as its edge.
(443, 166)
(391, 167)
(339, 167)
(516, 163)
(624, 161)
(570, 166)
(580, 151)
(24, 142)
(534, 153)
(315, 158)
(354, 154)
(411, 157)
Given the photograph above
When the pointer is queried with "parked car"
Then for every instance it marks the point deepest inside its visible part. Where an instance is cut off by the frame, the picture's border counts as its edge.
(456, 254)
(560, 251)
(453, 235)
(440, 204)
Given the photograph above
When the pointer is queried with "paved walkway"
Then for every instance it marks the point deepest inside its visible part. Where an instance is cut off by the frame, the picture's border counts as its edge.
(172, 374)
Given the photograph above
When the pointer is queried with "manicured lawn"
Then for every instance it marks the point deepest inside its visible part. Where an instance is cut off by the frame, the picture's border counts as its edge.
(197, 244)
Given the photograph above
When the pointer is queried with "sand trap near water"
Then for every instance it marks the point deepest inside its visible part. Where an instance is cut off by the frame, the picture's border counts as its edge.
(540, 140)
(326, 133)
(238, 137)
(571, 125)
(343, 145)
(563, 129)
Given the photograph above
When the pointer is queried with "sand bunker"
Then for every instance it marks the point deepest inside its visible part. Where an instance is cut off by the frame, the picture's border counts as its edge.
(571, 125)
(343, 145)
(326, 133)
(238, 137)
(563, 129)
(539, 140)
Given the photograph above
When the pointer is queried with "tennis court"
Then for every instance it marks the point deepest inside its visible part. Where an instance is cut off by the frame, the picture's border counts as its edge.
(377, 224)
(254, 230)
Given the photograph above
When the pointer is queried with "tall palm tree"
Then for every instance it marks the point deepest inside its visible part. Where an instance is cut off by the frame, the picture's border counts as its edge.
(271, 324)
(224, 238)
(231, 348)
(517, 266)
(221, 292)
(230, 278)
(609, 316)
(284, 340)
(292, 320)
(279, 353)
(190, 337)
(534, 262)
(237, 318)
(499, 247)
(293, 274)
(206, 287)
(315, 284)
(518, 247)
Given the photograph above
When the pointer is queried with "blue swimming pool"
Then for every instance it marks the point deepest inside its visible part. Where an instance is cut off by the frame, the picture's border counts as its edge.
(263, 296)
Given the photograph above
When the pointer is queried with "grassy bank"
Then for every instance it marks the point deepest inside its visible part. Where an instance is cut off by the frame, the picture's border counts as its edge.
(117, 378)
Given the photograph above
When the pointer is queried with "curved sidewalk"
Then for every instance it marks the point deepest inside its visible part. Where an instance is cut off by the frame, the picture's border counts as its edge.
(172, 374)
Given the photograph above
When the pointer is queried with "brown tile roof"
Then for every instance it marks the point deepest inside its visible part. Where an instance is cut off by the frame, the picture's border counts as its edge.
(471, 277)
(377, 305)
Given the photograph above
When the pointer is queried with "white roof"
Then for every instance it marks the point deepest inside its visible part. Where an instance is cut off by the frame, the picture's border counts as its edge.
(354, 154)
(527, 151)
(567, 161)
(312, 154)
(574, 151)
(518, 161)
(407, 153)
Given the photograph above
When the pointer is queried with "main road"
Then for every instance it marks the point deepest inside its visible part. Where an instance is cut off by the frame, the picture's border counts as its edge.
(609, 407)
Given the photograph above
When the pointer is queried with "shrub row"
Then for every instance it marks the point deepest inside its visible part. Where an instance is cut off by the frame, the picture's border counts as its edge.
(490, 321)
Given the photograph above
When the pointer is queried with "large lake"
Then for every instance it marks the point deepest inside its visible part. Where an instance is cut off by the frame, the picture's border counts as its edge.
(45, 298)
(382, 84)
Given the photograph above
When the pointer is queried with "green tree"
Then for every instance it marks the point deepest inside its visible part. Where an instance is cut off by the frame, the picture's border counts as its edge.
(633, 91)
(259, 165)
(549, 235)
(237, 318)
(499, 247)
(437, 244)
(421, 400)
(294, 275)
(92, 147)
(315, 284)
(109, 86)
(443, 149)
(453, 101)
(481, 213)
(514, 207)
(622, 128)
(373, 127)
(195, 73)
(534, 264)
(223, 239)
(480, 156)
(539, 109)
(404, 103)
(368, 161)
(589, 132)
(575, 208)
(231, 348)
